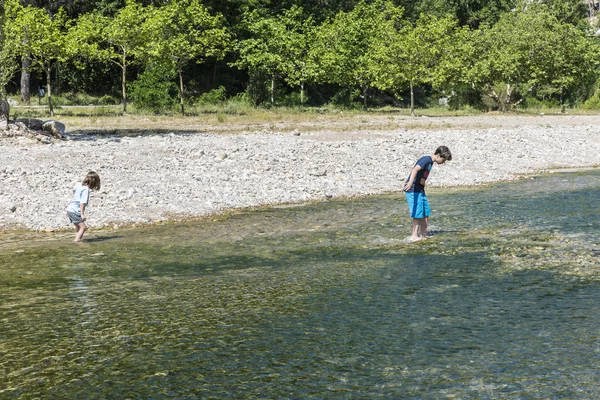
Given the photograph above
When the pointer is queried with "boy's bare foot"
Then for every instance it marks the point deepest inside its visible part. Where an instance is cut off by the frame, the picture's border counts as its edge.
(411, 239)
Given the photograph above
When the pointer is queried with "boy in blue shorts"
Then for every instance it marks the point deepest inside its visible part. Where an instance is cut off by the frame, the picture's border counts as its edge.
(414, 189)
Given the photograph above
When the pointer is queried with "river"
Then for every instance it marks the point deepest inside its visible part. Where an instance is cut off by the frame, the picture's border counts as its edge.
(317, 300)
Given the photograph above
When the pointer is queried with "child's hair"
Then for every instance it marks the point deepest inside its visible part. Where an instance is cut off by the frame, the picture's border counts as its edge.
(92, 180)
(444, 152)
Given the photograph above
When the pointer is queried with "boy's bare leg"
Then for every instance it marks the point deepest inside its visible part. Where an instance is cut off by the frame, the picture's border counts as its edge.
(423, 226)
(416, 223)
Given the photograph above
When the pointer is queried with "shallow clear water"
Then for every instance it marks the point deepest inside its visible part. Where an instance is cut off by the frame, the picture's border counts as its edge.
(317, 301)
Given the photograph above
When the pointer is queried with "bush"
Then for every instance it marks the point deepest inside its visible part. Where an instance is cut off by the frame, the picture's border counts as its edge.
(74, 99)
(293, 100)
(532, 102)
(464, 97)
(346, 98)
(154, 90)
(593, 103)
(214, 97)
(107, 100)
(238, 104)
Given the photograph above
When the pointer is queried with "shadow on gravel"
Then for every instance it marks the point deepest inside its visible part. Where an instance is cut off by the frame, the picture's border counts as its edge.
(94, 134)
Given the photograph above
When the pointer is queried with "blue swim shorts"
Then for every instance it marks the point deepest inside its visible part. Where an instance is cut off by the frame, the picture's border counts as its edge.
(418, 206)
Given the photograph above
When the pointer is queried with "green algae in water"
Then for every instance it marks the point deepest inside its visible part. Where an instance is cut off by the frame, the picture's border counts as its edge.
(317, 301)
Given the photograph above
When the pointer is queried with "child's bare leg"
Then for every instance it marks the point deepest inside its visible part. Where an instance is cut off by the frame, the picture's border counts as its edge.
(416, 222)
(423, 226)
(80, 230)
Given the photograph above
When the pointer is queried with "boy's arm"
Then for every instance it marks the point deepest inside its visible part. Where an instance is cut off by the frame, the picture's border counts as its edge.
(413, 175)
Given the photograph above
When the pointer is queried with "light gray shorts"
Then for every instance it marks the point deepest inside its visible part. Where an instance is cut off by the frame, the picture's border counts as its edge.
(74, 217)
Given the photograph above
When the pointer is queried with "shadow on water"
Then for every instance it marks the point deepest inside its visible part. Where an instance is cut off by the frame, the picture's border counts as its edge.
(318, 301)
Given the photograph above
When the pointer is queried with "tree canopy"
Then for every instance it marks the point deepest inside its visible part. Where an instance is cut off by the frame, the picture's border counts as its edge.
(484, 53)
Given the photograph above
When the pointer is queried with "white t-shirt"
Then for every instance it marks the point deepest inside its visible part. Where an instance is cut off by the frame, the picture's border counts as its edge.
(81, 196)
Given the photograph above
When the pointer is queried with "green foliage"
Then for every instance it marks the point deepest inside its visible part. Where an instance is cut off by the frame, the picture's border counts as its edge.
(107, 100)
(84, 99)
(8, 61)
(80, 99)
(186, 31)
(537, 104)
(593, 103)
(469, 13)
(423, 53)
(346, 46)
(497, 54)
(214, 97)
(38, 36)
(154, 90)
(294, 99)
(346, 98)
(527, 51)
(122, 40)
(463, 96)
(279, 47)
(573, 12)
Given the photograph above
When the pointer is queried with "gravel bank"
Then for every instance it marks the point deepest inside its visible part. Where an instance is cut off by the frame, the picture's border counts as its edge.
(152, 178)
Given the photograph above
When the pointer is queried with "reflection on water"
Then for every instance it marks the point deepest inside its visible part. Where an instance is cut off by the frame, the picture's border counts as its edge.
(317, 301)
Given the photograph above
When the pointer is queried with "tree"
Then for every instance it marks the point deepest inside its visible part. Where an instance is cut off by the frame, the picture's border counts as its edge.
(300, 66)
(187, 32)
(417, 55)
(40, 37)
(527, 51)
(122, 40)
(346, 46)
(278, 47)
(8, 47)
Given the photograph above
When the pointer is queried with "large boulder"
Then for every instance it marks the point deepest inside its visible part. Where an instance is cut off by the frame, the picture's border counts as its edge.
(54, 128)
(4, 113)
(31, 123)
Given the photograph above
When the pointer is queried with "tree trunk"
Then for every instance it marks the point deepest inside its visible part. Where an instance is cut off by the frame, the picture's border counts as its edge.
(49, 87)
(412, 99)
(215, 72)
(25, 80)
(272, 90)
(365, 89)
(181, 92)
(508, 99)
(4, 114)
(124, 82)
(302, 93)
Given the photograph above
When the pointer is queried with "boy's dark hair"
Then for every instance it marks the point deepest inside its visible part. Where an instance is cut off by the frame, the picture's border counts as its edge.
(92, 180)
(444, 152)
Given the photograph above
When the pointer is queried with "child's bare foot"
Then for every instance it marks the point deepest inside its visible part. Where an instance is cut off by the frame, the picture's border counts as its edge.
(411, 239)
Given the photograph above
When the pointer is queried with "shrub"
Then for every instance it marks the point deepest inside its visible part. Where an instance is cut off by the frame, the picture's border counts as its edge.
(107, 100)
(214, 97)
(593, 103)
(154, 91)
(238, 104)
(532, 102)
(293, 100)
(346, 98)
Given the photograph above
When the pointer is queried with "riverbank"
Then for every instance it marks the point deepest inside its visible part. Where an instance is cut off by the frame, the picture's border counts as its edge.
(196, 169)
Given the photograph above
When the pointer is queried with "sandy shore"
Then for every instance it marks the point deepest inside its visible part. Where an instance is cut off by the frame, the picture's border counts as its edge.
(156, 177)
